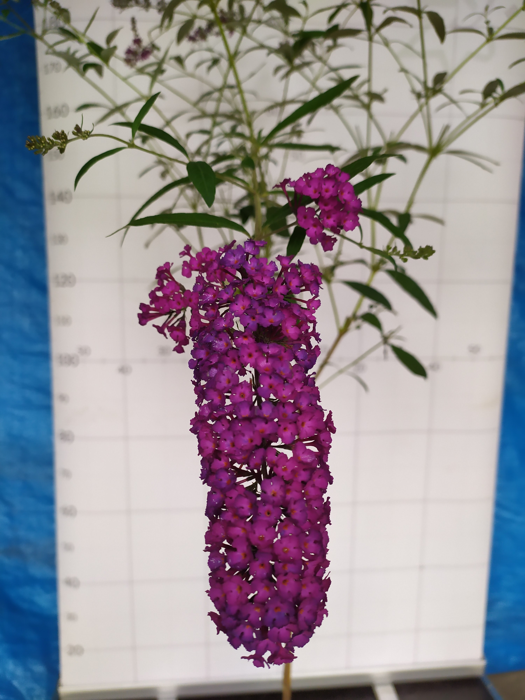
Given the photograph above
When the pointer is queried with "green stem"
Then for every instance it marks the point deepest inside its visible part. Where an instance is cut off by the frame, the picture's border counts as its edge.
(357, 360)
(472, 55)
(418, 182)
(426, 89)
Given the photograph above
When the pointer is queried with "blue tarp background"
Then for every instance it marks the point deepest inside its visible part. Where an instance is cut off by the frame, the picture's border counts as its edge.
(28, 602)
(28, 605)
(505, 631)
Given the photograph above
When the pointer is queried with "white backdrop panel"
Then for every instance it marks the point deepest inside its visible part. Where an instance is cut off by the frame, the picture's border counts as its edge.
(413, 460)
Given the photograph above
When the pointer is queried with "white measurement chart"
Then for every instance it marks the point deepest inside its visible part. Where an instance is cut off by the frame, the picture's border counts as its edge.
(413, 460)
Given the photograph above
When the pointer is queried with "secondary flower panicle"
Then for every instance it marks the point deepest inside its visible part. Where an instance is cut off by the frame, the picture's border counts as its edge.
(263, 439)
(329, 203)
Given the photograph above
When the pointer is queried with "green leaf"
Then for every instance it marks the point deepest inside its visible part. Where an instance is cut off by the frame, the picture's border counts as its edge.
(111, 36)
(296, 241)
(276, 217)
(337, 11)
(386, 223)
(107, 54)
(160, 193)
(391, 20)
(89, 105)
(142, 113)
(83, 170)
(410, 362)
(11, 36)
(202, 220)
(467, 30)
(184, 29)
(370, 182)
(167, 15)
(513, 92)
(405, 8)
(357, 166)
(412, 288)
(203, 177)
(372, 320)
(515, 63)
(156, 133)
(93, 66)
(311, 106)
(67, 33)
(246, 213)
(94, 48)
(283, 8)
(248, 163)
(336, 33)
(438, 80)
(306, 147)
(438, 24)
(491, 87)
(369, 292)
(92, 19)
(403, 221)
(511, 35)
(368, 14)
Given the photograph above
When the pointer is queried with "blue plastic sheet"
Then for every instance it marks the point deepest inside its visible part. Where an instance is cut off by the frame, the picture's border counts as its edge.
(28, 601)
(505, 631)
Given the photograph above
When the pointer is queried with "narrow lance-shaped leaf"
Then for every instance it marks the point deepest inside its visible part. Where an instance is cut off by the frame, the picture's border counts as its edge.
(513, 92)
(306, 147)
(112, 35)
(391, 20)
(403, 221)
(337, 11)
(184, 29)
(311, 106)
(156, 133)
(296, 241)
(370, 182)
(372, 320)
(183, 219)
(436, 20)
(405, 8)
(412, 288)
(283, 8)
(438, 80)
(160, 193)
(83, 170)
(358, 166)
(276, 216)
(511, 35)
(92, 19)
(203, 177)
(142, 113)
(386, 223)
(410, 362)
(167, 15)
(370, 293)
(368, 13)
(491, 87)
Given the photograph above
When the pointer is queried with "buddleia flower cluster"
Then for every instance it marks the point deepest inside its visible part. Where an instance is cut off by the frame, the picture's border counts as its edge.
(263, 439)
(334, 204)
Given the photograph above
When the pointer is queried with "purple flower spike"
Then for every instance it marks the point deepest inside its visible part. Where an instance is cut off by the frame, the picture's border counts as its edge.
(263, 436)
(335, 205)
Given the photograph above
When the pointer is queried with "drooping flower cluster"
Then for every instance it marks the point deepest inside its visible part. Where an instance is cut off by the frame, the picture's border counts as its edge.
(263, 440)
(203, 32)
(137, 51)
(335, 204)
